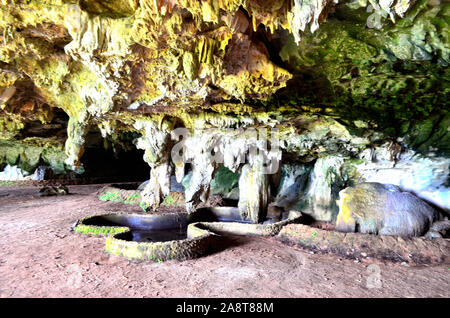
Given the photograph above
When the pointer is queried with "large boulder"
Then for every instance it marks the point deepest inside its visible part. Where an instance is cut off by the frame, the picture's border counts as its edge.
(383, 209)
(427, 176)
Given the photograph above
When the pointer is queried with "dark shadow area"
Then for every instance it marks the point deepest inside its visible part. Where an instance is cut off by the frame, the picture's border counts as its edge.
(101, 221)
(156, 235)
(105, 161)
(230, 202)
(126, 186)
(218, 214)
(307, 219)
(56, 128)
(322, 225)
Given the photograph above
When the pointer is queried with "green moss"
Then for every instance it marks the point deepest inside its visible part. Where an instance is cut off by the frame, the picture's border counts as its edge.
(168, 201)
(111, 196)
(132, 199)
(431, 134)
(99, 230)
(143, 206)
(396, 78)
(28, 153)
(10, 127)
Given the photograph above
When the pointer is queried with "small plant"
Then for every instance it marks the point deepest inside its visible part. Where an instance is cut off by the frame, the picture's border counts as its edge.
(110, 196)
(132, 199)
(168, 201)
(143, 206)
(155, 259)
(13, 183)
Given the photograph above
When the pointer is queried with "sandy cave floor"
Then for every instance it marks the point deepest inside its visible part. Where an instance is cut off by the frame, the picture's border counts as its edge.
(40, 257)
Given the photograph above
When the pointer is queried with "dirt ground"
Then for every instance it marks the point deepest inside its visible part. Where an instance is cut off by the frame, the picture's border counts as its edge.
(40, 257)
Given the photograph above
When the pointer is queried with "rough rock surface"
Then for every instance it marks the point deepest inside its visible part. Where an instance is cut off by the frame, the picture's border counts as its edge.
(426, 176)
(337, 79)
(253, 192)
(411, 250)
(439, 229)
(225, 184)
(314, 187)
(383, 209)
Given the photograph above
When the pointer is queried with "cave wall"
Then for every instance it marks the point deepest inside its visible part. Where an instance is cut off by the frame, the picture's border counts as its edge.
(348, 88)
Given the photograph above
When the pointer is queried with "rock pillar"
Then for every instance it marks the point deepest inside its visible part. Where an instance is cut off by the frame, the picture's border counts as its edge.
(253, 192)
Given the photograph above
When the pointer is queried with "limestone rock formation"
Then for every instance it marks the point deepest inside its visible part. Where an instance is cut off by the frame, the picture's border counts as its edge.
(327, 93)
(383, 209)
(314, 187)
(253, 191)
(439, 229)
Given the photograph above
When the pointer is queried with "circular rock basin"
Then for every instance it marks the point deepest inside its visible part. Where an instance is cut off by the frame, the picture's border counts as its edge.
(180, 236)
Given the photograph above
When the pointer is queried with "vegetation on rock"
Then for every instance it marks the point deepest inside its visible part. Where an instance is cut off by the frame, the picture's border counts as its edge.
(336, 78)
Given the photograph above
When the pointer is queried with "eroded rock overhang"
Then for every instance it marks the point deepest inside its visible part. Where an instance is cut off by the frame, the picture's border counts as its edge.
(373, 73)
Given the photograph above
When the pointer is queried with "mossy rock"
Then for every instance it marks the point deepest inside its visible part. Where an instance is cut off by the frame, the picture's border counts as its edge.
(30, 152)
(224, 182)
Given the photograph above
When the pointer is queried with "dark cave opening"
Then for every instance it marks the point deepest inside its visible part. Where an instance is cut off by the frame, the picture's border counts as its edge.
(106, 161)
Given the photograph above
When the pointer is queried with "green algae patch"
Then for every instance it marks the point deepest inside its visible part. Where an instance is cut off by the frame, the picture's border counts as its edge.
(83, 227)
(116, 194)
(110, 196)
(99, 230)
(174, 199)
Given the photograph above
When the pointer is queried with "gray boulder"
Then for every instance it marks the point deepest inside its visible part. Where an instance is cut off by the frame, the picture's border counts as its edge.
(383, 209)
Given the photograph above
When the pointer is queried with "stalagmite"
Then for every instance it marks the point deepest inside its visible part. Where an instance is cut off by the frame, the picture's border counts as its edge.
(253, 191)
(155, 141)
(76, 131)
(200, 185)
(158, 186)
(199, 152)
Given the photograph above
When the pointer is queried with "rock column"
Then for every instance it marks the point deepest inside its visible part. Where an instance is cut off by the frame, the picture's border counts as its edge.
(155, 141)
(253, 191)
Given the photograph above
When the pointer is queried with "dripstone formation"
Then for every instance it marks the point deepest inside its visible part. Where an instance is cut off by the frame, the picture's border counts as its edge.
(323, 94)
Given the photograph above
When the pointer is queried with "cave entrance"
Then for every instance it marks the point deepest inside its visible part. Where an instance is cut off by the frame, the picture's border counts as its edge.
(106, 160)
